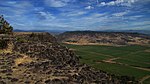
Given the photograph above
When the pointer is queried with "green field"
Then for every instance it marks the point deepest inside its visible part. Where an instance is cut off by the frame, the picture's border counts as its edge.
(131, 61)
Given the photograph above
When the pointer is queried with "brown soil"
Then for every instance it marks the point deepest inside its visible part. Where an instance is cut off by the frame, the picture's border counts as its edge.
(111, 60)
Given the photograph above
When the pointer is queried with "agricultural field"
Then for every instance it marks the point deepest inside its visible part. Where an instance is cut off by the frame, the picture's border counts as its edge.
(133, 61)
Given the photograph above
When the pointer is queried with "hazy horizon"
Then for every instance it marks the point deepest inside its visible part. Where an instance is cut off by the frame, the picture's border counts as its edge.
(70, 15)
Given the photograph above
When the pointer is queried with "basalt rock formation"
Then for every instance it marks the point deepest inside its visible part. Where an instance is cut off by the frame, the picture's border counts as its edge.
(37, 58)
(103, 38)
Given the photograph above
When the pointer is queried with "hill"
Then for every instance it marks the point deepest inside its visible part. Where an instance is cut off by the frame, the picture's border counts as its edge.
(37, 58)
(53, 32)
(103, 38)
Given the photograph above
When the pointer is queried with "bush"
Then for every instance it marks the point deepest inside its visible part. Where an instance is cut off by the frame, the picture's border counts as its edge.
(3, 44)
(6, 30)
(22, 40)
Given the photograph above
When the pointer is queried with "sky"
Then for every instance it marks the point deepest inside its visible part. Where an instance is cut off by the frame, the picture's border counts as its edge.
(69, 15)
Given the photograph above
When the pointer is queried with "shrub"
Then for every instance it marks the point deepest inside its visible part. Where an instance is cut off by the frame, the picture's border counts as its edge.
(22, 40)
(3, 44)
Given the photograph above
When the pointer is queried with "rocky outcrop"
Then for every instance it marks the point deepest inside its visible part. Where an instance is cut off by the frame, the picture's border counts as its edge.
(34, 37)
(40, 61)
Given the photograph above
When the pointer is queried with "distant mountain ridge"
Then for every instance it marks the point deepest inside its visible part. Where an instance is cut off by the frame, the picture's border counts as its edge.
(132, 31)
(103, 38)
(62, 31)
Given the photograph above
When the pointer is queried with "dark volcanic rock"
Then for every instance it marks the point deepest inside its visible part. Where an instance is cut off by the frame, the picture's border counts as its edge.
(34, 37)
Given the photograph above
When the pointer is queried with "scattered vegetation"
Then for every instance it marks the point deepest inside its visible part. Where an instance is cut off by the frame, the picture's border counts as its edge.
(19, 39)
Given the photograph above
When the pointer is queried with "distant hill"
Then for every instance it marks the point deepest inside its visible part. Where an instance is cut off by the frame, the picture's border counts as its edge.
(131, 31)
(103, 38)
(56, 32)
(53, 32)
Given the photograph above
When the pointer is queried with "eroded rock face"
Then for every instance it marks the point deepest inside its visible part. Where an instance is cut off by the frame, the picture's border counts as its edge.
(44, 62)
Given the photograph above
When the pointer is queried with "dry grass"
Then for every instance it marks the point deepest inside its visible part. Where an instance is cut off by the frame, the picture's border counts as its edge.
(54, 77)
(21, 33)
(103, 44)
(8, 50)
(22, 60)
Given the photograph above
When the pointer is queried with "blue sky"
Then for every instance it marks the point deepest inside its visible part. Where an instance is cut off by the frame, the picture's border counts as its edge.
(77, 14)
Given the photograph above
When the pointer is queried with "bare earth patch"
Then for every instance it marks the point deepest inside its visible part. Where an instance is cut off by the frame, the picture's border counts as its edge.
(72, 49)
(147, 51)
(111, 60)
(103, 44)
(145, 69)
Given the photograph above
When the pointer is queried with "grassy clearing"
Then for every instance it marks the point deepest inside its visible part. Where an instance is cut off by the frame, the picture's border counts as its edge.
(129, 58)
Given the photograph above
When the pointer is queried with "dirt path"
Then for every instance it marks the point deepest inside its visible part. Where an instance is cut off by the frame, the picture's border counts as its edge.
(144, 78)
(148, 50)
(111, 60)
(145, 69)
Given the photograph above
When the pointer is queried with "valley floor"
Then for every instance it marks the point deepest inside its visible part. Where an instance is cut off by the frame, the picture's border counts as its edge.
(123, 60)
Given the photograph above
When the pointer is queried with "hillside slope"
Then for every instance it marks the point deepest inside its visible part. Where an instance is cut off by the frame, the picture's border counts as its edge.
(37, 58)
(103, 38)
